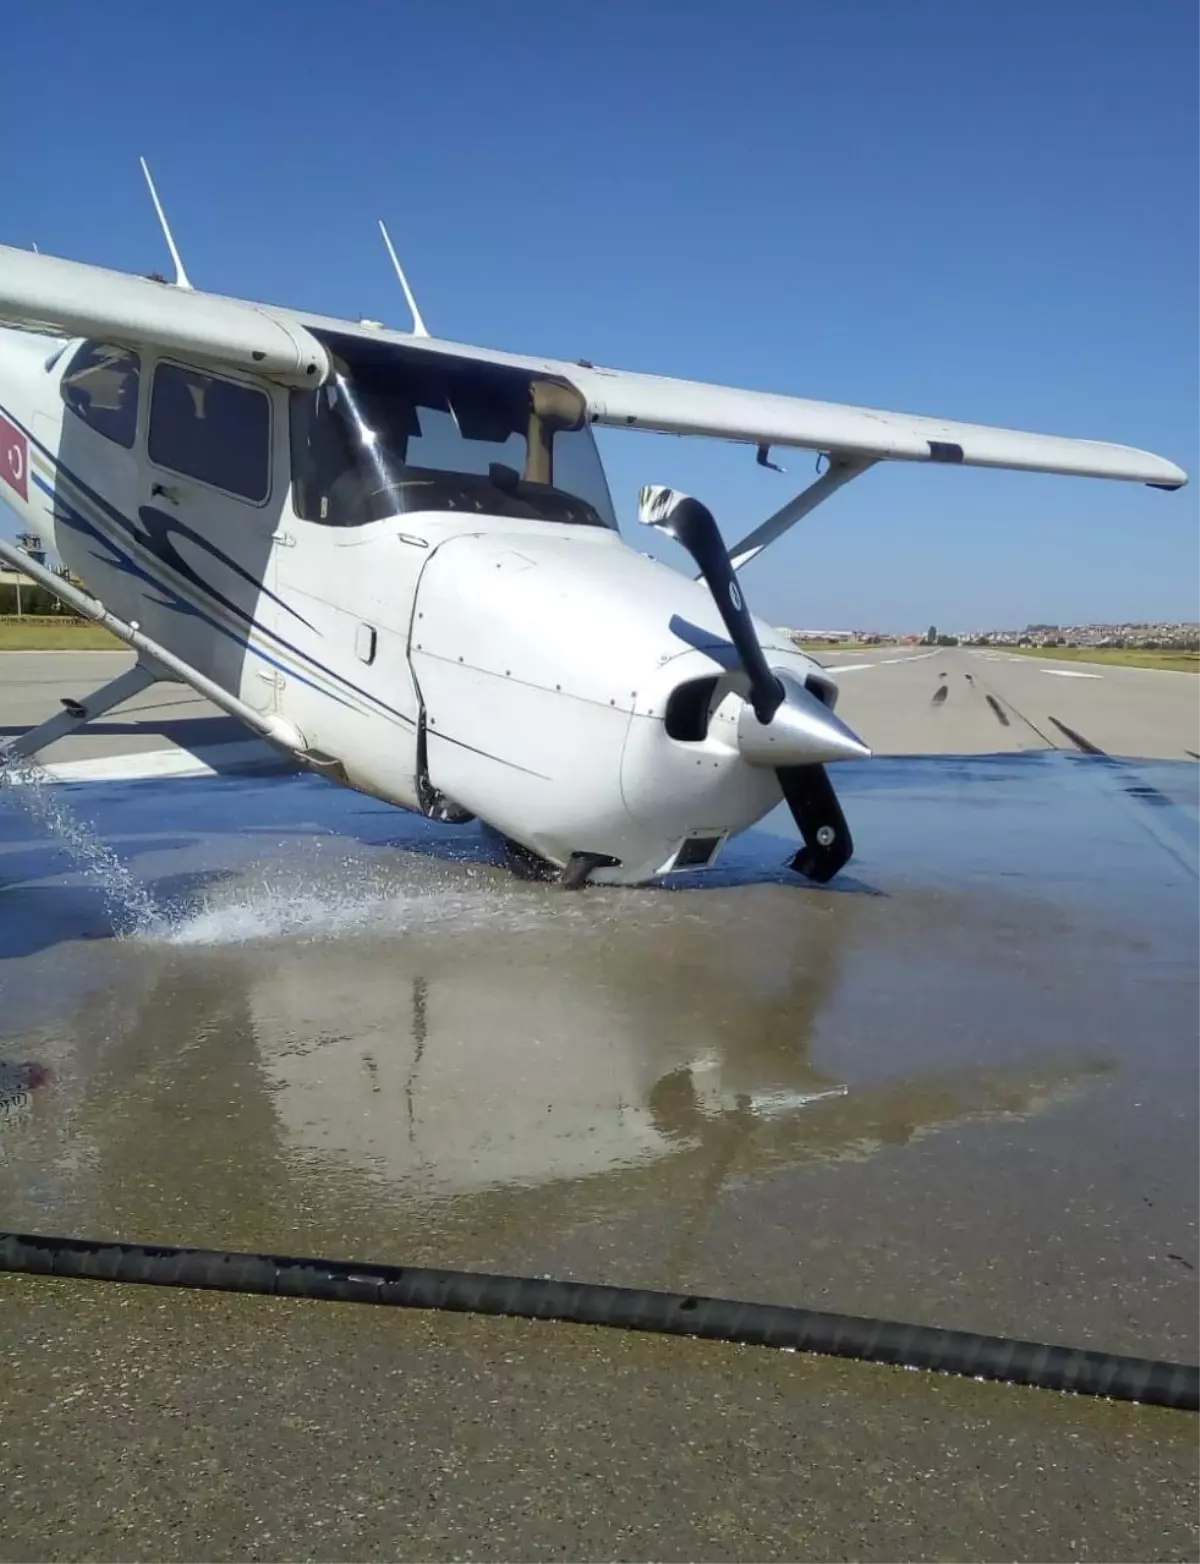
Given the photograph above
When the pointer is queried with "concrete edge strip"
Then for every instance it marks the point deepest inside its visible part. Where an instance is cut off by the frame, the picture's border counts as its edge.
(144, 766)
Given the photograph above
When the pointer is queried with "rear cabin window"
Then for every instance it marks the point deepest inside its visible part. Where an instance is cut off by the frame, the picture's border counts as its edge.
(214, 430)
(100, 387)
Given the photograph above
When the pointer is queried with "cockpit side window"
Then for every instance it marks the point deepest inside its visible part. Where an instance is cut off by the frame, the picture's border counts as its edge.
(100, 386)
(325, 459)
(217, 431)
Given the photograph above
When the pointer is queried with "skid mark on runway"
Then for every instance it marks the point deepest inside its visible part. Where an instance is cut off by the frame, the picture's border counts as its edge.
(1003, 709)
(1085, 746)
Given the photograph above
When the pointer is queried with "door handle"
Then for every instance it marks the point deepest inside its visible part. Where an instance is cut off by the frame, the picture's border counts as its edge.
(164, 491)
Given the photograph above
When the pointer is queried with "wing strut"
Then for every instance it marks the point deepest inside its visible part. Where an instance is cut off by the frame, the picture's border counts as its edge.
(159, 664)
(77, 714)
(840, 471)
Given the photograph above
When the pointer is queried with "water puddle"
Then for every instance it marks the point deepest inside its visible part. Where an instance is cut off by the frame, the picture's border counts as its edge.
(273, 912)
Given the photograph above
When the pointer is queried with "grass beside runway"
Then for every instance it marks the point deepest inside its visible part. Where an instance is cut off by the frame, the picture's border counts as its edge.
(1172, 661)
(844, 646)
(28, 634)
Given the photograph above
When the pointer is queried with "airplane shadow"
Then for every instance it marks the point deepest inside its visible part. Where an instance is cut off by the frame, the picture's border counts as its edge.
(22, 867)
(186, 732)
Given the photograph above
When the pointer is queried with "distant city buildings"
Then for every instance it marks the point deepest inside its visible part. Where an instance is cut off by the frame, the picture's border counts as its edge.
(834, 637)
(1179, 635)
(19, 593)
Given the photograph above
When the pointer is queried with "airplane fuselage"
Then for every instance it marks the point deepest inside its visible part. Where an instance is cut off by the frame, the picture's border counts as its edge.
(503, 654)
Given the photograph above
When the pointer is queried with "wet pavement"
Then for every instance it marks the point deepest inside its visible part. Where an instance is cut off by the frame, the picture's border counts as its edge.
(957, 1087)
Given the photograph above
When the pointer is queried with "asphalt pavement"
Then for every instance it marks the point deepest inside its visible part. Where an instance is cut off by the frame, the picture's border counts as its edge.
(977, 701)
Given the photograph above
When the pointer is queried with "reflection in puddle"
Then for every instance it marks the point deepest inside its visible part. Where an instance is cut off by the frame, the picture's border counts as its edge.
(344, 1041)
(435, 1039)
(363, 1038)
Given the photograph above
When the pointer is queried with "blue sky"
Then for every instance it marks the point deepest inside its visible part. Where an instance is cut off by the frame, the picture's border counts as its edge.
(981, 211)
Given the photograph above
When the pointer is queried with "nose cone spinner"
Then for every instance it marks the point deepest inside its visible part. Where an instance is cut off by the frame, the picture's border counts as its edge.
(802, 732)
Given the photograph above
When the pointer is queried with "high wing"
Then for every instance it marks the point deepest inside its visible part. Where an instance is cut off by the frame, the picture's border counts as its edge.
(692, 407)
(45, 293)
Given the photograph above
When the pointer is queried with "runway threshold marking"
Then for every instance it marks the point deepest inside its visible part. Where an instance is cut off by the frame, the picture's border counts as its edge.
(881, 662)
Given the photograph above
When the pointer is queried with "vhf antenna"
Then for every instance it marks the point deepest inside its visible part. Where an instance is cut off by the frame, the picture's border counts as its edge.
(419, 328)
(181, 277)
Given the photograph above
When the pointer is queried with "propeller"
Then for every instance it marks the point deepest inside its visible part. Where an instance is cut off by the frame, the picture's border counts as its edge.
(692, 524)
(784, 725)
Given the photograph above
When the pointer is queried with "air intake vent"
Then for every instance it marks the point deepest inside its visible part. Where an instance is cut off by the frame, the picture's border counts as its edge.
(825, 690)
(687, 710)
(696, 852)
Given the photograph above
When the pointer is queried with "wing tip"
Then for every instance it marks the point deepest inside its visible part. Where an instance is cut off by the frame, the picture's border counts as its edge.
(1167, 474)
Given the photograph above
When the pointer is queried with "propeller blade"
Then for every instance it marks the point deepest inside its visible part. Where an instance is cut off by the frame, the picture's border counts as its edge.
(690, 523)
(828, 846)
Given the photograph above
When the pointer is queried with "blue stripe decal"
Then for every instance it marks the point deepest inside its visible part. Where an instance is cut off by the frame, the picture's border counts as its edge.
(432, 733)
(66, 513)
(181, 604)
(159, 528)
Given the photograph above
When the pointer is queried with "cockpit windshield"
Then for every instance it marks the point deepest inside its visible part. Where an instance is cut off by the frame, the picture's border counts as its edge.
(404, 429)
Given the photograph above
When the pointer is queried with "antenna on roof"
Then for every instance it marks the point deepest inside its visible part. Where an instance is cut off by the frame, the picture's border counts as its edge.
(36, 251)
(419, 328)
(181, 277)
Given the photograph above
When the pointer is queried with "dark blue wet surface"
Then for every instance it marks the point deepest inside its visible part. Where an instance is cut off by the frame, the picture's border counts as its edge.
(1052, 823)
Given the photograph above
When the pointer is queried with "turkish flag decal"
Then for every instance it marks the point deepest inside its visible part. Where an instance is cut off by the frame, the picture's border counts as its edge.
(14, 458)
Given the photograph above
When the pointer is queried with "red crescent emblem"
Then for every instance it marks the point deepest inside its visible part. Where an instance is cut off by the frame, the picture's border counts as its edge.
(14, 458)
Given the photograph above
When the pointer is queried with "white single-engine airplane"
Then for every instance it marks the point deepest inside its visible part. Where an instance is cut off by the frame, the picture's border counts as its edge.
(396, 558)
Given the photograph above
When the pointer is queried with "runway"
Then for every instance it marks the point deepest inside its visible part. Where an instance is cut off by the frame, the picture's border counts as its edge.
(961, 701)
(902, 701)
(165, 720)
(957, 1087)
